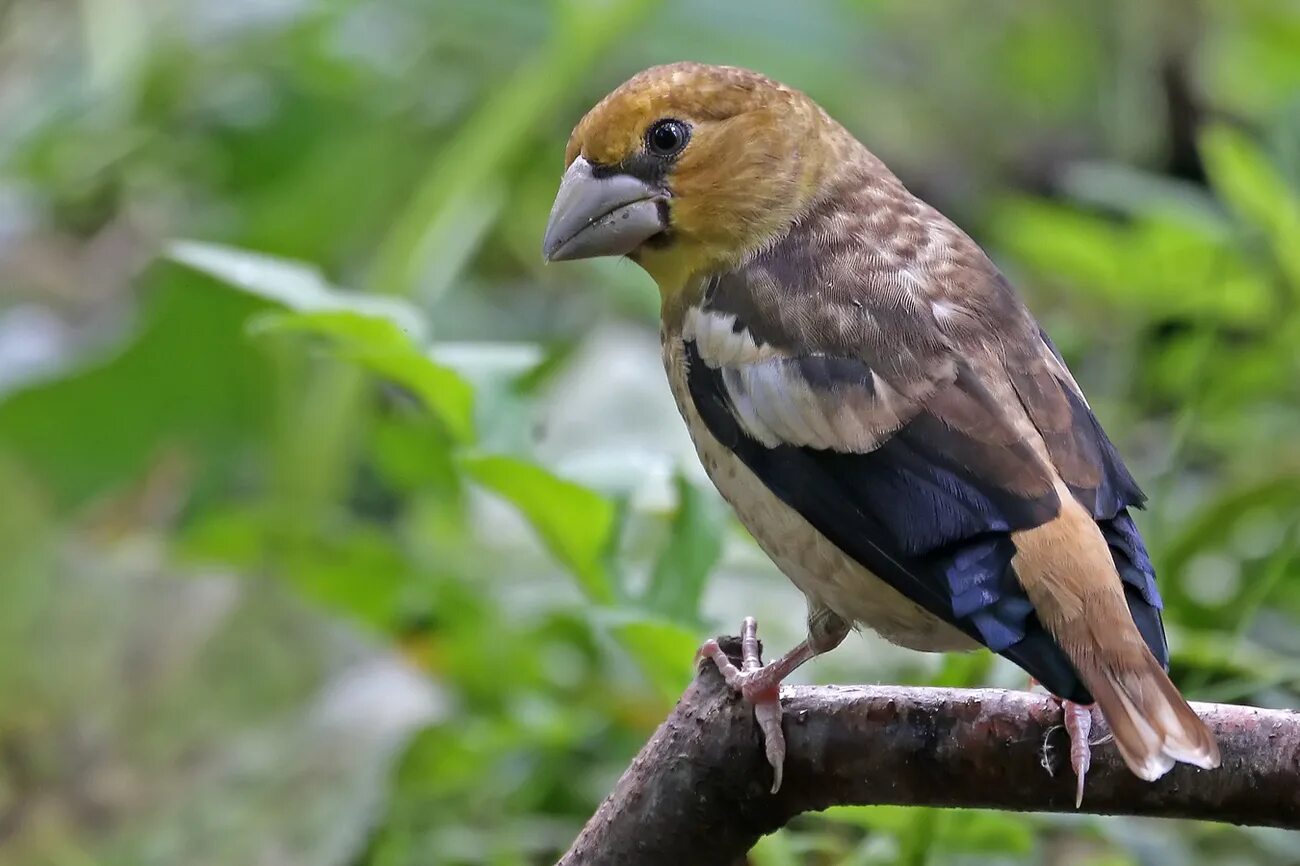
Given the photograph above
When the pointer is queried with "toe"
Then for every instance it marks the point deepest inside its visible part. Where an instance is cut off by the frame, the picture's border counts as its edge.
(1078, 724)
(768, 716)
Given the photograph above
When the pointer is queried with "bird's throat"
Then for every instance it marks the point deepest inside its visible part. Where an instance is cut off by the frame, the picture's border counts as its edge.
(680, 271)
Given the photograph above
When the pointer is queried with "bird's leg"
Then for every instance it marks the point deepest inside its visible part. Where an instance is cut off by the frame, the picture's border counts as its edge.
(760, 685)
(1078, 726)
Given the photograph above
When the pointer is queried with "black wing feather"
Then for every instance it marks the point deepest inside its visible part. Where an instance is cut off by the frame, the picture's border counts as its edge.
(916, 519)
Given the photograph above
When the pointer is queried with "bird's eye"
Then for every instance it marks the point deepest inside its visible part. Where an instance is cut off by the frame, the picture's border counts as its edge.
(667, 137)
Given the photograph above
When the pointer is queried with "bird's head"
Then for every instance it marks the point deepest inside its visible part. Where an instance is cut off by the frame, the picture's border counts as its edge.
(688, 167)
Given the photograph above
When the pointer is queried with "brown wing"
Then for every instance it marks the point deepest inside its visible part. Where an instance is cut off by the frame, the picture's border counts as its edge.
(868, 385)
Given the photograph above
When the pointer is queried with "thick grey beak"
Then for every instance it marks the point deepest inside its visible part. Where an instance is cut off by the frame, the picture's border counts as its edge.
(600, 216)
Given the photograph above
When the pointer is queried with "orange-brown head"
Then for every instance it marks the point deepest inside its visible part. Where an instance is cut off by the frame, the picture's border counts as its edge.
(688, 167)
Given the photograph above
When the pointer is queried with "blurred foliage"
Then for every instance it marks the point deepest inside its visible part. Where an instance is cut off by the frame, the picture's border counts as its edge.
(336, 529)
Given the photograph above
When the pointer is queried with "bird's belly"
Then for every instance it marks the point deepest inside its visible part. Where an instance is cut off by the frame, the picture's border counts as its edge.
(824, 573)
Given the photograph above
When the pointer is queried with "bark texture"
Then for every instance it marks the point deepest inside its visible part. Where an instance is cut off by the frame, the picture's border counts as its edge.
(698, 792)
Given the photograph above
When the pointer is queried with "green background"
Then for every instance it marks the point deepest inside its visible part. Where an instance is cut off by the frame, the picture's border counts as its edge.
(336, 528)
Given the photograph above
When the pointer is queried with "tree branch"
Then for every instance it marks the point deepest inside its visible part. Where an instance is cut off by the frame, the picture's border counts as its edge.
(698, 791)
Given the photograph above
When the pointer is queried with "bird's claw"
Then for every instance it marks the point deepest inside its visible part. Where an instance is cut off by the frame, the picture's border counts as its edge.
(1077, 719)
(760, 686)
(1078, 724)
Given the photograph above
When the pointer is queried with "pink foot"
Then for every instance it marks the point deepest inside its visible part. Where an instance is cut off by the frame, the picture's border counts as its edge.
(760, 686)
(1078, 724)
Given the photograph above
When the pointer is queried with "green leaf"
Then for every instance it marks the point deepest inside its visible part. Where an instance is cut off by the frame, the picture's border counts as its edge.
(1139, 193)
(963, 670)
(452, 207)
(356, 570)
(988, 832)
(1210, 526)
(693, 548)
(775, 849)
(1164, 263)
(888, 820)
(379, 345)
(665, 652)
(297, 705)
(974, 831)
(189, 356)
(1056, 239)
(576, 524)
(295, 285)
(1242, 174)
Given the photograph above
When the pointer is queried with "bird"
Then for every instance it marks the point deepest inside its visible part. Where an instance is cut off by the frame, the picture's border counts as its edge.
(874, 400)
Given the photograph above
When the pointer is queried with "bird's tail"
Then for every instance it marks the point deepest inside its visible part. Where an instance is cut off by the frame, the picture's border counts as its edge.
(1066, 568)
(1152, 724)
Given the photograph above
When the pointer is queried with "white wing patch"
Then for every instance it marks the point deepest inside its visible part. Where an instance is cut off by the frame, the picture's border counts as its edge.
(814, 401)
(720, 342)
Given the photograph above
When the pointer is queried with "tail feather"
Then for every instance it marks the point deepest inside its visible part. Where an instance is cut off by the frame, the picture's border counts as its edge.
(1067, 569)
(1153, 726)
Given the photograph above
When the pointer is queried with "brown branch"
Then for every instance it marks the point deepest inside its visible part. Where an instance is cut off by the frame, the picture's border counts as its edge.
(698, 791)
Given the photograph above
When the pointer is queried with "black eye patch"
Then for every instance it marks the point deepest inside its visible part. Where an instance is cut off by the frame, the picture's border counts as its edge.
(641, 166)
(664, 140)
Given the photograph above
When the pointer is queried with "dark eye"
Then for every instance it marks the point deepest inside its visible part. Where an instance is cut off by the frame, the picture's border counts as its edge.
(667, 137)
